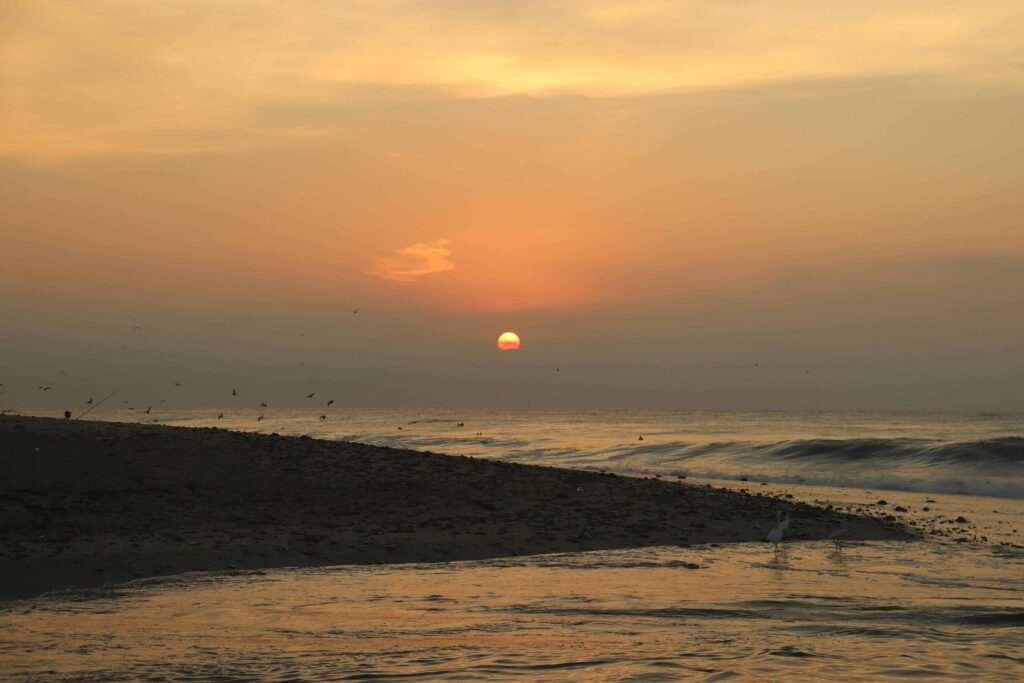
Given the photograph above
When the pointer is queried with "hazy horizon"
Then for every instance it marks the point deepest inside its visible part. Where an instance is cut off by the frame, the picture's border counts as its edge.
(677, 205)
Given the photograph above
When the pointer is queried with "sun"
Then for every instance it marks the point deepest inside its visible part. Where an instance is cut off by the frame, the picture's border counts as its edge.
(508, 341)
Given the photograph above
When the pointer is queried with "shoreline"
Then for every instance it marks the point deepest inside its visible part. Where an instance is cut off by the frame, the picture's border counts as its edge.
(88, 503)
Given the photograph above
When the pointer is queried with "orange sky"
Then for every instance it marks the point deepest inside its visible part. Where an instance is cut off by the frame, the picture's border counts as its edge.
(654, 173)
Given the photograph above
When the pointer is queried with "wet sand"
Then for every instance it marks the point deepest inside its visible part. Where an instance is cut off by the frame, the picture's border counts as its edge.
(91, 503)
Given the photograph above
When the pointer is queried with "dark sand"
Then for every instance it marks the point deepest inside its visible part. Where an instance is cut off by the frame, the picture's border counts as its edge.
(90, 503)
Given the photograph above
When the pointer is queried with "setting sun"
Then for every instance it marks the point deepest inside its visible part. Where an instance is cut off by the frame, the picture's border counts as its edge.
(508, 341)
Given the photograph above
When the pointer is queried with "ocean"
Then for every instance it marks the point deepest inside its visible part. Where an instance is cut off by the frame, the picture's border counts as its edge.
(966, 453)
(949, 606)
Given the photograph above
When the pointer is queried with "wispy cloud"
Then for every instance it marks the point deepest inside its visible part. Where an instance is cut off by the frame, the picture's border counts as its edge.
(155, 77)
(414, 261)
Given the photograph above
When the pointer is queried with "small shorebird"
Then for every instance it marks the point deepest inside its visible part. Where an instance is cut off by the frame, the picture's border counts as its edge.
(838, 535)
(775, 536)
(234, 392)
(323, 417)
(329, 403)
(311, 395)
(264, 405)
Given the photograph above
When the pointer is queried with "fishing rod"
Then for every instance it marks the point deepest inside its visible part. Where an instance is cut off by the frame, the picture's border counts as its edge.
(99, 403)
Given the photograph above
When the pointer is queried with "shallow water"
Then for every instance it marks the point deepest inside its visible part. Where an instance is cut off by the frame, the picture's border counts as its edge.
(970, 453)
(868, 612)
(948, 607)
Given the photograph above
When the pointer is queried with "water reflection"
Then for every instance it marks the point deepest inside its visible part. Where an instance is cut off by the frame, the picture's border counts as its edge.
(869, 612)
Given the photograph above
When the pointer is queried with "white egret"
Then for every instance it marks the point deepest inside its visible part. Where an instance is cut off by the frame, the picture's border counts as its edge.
(838, 535)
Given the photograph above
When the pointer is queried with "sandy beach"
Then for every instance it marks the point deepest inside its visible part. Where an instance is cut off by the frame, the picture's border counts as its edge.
(92, 503)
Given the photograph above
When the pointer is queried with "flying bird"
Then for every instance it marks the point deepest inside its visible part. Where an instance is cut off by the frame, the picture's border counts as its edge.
(329, 403)
(46, 388)
(176, 384)
(220, 416)
(259, 419)
(311, 395)
(148, 410)
(264, 405)
(323, 417)
(355, 310)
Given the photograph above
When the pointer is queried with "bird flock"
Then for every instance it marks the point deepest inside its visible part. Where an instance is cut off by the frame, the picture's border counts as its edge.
(93, 403)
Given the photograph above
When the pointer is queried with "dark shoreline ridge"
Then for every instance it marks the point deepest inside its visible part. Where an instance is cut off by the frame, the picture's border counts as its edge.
(86, 503)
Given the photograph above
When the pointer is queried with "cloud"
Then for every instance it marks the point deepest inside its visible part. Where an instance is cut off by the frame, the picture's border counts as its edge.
(154, 77)
(412, 262)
